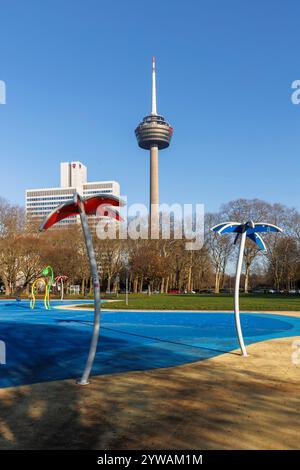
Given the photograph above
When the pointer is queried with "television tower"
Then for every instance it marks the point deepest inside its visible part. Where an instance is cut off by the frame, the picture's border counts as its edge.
(154, 134)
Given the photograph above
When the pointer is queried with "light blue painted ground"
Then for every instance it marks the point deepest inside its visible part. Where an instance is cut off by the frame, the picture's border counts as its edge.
(50, 345)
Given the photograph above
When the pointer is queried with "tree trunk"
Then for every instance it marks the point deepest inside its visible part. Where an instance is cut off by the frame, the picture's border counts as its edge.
(217, 282)
(83, 286)
(167, 285)
(108, 284)
(189, 281)
(7, 288)
(91, 287)
(247, 278)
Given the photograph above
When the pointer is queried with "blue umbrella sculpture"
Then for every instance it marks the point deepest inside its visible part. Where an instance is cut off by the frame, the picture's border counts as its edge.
(245, 230)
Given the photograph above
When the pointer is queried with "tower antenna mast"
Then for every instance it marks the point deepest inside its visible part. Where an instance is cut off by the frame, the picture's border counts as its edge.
(153, 108)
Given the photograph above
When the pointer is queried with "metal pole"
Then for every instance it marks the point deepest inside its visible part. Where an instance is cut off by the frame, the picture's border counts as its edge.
(126, 286)
(236, 294)
(97, 301)
(62, 289)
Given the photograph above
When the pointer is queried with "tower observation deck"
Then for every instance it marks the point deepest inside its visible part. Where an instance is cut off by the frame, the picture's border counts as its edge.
(154, 130)
(154, 134)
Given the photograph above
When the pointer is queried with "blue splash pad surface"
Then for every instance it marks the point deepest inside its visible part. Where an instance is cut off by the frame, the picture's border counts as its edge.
(52, 345)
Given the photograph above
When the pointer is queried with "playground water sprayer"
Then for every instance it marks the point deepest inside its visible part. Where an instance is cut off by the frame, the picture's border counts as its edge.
(47, 279)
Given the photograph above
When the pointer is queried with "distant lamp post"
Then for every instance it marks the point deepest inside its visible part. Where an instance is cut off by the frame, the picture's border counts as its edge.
(126, 264)
(245, 230)
(84, 207)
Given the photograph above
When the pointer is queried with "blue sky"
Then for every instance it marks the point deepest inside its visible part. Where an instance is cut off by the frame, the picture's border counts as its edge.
(78, 82)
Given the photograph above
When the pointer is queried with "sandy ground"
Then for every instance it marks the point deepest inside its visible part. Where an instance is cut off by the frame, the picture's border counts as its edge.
(227, 402)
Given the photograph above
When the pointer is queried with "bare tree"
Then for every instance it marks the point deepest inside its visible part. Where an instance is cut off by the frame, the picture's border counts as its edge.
(219, 248)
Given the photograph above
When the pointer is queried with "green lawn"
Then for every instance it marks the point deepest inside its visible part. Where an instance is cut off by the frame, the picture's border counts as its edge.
(206, 302)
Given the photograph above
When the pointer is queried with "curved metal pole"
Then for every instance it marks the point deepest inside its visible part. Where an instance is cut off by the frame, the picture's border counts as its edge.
(45, 272)
(97, 302)
(236, 294)
(33, 297)
(46, 298)
(52, 274)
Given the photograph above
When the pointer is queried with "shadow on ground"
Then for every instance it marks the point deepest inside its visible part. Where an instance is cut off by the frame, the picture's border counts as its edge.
(226, 402)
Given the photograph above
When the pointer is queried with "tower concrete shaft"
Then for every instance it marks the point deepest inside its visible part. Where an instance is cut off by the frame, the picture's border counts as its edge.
(154, 134)
(154, 192)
